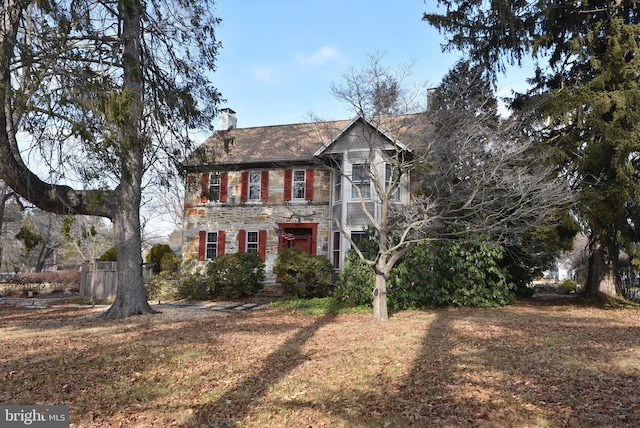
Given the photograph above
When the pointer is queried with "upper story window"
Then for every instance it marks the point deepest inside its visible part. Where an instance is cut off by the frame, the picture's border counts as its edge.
(254, 186)
(298, 184)
(392, 178)
(214, 187)
(337, 187)
(360, 179)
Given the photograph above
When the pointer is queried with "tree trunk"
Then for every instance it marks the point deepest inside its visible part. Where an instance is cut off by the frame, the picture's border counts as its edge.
(131, 296)
(380, 298)
(601, 276)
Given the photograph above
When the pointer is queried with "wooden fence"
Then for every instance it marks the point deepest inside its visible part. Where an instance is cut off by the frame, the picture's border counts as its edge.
(99, 280)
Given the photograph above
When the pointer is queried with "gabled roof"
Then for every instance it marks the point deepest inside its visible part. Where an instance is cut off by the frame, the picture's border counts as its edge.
(385, 126)
(293, 143)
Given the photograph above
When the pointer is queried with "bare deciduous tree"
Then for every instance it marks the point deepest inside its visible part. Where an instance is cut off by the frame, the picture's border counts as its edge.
(462, 168)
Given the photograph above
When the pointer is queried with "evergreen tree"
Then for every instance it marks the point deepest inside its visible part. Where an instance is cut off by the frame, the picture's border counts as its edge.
(585, 89)
(104, 89)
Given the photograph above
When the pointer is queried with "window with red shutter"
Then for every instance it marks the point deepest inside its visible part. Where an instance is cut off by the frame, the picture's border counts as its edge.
(244, 186)
(264, 186)
(204, 182)
(242, 240)
(262, 244)
(202, 243)
(221, 238)
(287, 184)
(224, 181)
(308, 194)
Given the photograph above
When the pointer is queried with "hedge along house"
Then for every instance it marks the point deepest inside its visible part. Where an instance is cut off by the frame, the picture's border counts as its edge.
(284, 186)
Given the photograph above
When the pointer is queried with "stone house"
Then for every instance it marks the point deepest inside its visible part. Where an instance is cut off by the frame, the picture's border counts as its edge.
(282, 186)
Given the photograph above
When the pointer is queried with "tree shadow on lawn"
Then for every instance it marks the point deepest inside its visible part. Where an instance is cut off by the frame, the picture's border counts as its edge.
(522, 366)
(238, 402)
(126, 360)
(495, 367)
(550, 367)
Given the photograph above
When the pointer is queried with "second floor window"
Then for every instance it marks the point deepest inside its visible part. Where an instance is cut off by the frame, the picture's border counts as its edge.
(392, 179)
(337, 188)
(360, 179)
(214, 187)
(298, 184)
(254, 186)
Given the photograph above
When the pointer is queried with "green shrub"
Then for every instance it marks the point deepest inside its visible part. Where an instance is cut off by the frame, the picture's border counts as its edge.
(236, 275)
(355, 283)
(303, 275)
(410, 282)
(195, 287)
(230, 275)
(569, 286)
(170, 262)
(155, 255)
(467, 273)
(163, 286)
(109, 255)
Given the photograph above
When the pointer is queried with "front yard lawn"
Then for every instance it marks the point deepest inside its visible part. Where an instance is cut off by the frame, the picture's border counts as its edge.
(536, 363)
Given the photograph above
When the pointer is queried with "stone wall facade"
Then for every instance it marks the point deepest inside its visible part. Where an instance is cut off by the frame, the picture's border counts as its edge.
(274, 213)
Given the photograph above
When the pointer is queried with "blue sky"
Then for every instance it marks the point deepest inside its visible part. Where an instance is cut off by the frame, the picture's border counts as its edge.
(279, 57)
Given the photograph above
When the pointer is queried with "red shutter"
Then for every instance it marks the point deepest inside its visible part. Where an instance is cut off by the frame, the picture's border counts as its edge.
(202, 245)
(221, 237)
(244, 186)
(224, 181)
(204, 180)
(287, 184)
(242, 240)
(264, 186)
(262, 244)
(308, 191)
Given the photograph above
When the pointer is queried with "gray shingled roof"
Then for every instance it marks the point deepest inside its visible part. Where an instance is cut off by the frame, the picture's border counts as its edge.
(281, 143)
(268, 144)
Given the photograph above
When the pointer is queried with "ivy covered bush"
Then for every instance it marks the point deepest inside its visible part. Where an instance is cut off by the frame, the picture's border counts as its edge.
(303, 275)
(451, 273)
(436, 274)
(355, 283)
(230, 275)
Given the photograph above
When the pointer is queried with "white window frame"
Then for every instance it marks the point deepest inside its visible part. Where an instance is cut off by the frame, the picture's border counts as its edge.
(254, 187)
(298, 187)
(395, 195)
(363, 181)
(211, 245)
(251, 245)
(337, 187)
(335, 250)
(215, 181)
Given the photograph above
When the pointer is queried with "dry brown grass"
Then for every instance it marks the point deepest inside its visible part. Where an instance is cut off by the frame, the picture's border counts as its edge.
(546, 364)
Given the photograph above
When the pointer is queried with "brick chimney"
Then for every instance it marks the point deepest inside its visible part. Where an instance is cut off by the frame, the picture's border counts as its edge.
(228, 119)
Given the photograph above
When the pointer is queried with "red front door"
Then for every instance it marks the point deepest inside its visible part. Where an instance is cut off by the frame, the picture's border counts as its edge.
(302, 242)
(301, 235)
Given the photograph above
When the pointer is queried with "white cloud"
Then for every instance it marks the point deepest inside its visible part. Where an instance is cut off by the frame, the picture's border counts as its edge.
(322, 56)
(264, 73)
